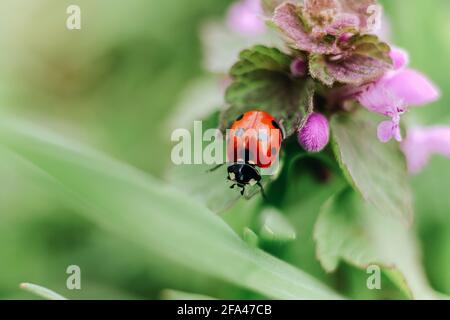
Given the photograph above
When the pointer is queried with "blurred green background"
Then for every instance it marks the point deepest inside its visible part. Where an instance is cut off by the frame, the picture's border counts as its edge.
(115, 86)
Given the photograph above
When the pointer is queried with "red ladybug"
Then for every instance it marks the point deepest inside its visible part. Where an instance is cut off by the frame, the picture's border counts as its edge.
(253, 142)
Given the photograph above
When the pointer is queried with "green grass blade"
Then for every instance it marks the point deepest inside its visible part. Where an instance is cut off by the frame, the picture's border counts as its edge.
(158, 219)
(41, 291)
(169, 294)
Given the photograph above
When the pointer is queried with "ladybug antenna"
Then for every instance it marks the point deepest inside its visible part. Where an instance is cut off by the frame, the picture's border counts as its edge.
(262, 191)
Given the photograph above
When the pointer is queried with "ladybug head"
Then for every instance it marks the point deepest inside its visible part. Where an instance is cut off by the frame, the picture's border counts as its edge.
(243, 174)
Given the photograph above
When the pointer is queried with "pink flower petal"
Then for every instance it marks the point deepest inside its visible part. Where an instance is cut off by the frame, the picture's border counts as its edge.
(421, 143)
(379, 99)
(386, 131)
(438, 139)
(397, 133)
(398, 90)
(392, 95)
(245, 17)
(412, 87)
(416, 151)
(400, 58)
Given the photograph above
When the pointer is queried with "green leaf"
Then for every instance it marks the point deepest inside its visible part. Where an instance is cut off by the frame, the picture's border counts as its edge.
(376, 170)
(275, 227)
(339, 234)
(318, 69)
(262, 81)
(261, 58)
(352, 230)
(41, 291)
(159, 220)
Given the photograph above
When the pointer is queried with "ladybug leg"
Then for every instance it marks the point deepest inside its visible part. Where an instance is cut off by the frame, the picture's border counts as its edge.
(232, 187)
(243, 190)
(216, 167)
(262, 191)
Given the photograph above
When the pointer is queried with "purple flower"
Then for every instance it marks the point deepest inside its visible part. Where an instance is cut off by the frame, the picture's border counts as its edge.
(395, 92)
(245, 17)
(421, 143)
(315, 134)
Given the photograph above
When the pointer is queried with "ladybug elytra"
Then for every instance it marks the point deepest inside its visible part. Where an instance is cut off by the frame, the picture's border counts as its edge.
(253, 143)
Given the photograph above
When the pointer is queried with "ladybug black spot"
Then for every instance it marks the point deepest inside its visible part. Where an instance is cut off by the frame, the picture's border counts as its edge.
(239, 132)
(274, 151)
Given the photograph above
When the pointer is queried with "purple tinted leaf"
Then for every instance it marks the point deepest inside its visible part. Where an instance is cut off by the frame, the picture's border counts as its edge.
(357, 69)
(288, 18)
(319, 8)
(368, 61)
(367, 11)
(339, 16)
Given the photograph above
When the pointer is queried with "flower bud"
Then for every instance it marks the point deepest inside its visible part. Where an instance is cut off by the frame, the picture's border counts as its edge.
(315, 134)
(345, 37)
(298, 67)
